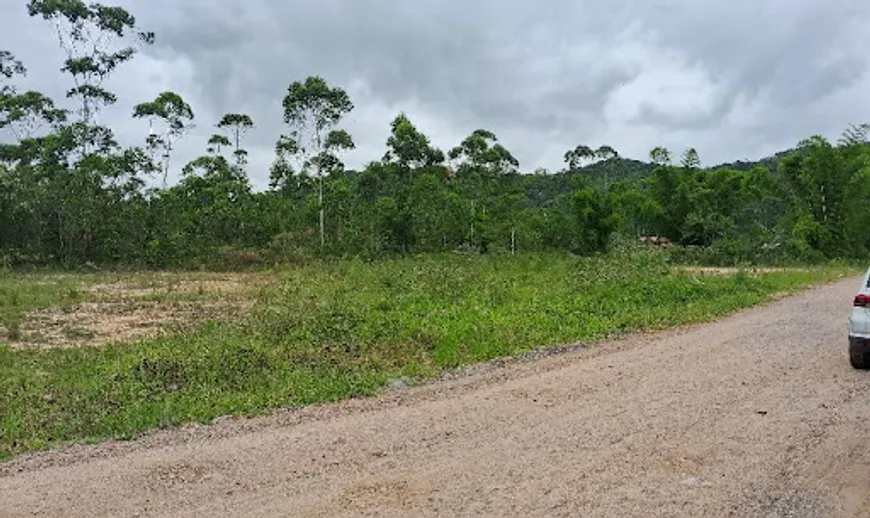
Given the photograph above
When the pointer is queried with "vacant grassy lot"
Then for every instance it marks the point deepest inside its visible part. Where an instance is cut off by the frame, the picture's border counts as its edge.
(96, 356)
(62, 310)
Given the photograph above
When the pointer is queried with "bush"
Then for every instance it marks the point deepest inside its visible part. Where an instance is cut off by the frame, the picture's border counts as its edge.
(290, 248)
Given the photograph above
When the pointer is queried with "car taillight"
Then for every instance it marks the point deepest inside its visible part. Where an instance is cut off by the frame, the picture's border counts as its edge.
(862, 301)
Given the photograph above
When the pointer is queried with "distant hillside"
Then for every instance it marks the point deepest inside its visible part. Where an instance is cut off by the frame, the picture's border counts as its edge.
(770, 162)
(544, 189)
(635, 170)
(617, 170)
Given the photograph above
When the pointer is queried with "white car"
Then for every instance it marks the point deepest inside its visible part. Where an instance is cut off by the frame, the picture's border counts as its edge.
(859, 327)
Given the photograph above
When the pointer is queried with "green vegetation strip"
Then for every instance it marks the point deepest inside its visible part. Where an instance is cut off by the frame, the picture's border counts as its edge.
(333, 331)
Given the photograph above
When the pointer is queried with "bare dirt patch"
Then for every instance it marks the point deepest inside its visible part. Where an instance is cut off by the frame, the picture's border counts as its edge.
(167, 284)
(139, 306)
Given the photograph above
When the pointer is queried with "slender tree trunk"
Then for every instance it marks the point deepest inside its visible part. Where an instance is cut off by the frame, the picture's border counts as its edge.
(824, 206)
(320, 200)
(472, 223)
(513, 240)
(340, 223)
(238, 134)
(165, 170)
(319, 146)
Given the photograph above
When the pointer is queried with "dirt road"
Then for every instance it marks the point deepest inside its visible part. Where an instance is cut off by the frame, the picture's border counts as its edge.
(756, 415)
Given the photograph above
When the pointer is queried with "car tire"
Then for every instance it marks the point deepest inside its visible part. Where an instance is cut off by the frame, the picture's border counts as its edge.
(859, 358)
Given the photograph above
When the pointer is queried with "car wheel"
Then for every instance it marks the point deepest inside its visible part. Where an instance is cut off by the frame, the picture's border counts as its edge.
(859, 358)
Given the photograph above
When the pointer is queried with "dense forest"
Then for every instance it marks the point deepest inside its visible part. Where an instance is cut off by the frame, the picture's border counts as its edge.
(70, 194)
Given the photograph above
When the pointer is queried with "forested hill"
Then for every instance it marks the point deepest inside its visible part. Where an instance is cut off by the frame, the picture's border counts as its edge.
(635, 171)
(770, 162)
(543, 188)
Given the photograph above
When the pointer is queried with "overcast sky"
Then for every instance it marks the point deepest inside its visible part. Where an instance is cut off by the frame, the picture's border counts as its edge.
(736, 80)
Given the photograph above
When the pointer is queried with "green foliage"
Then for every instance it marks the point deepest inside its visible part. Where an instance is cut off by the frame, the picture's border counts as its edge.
(827, 187)
(215, 142)
(85, 32)
(237, 124)
(174, 114)
(9, 66)
(25, 113)
(334, 330)
(595, 221)
(408, 148)
(312, 109)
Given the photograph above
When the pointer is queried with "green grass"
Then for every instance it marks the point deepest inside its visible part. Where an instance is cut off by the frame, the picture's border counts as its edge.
(332, 331)
(21, 293)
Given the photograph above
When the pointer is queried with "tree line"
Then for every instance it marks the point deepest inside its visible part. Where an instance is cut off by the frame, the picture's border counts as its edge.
(70, 193)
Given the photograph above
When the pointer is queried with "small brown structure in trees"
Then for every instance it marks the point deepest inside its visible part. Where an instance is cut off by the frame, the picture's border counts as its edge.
(658, 241)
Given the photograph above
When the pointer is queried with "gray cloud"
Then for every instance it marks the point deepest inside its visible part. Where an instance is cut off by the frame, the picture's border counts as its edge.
(737, 79)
